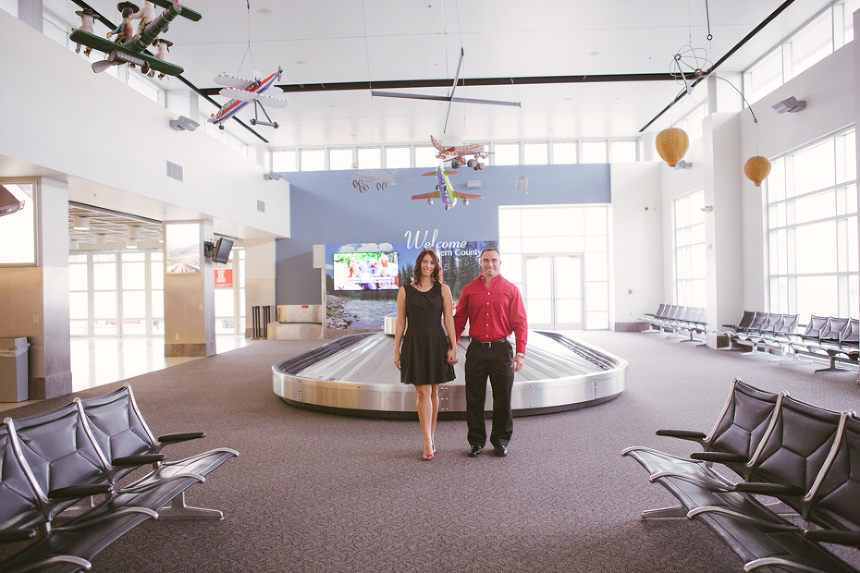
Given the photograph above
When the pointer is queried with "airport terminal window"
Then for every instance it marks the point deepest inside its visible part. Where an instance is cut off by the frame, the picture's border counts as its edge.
(369, 158)
(811, 220)
(623, 151)
(398, 157)
(831, 30)
(812, 44)
(535, 153)
(79, 302)
(312, 160)
(564, 153)
(690, 254)
(340, 159)
(506, 154)
(569, 241)
(116, 294)
(285, 161)
(594, 152)
(426, 157)
(230, 295)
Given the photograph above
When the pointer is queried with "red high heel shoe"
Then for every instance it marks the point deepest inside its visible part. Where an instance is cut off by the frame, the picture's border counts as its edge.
(426, 457)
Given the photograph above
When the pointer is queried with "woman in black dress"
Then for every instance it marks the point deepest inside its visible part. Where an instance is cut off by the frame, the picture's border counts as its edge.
(428, 355)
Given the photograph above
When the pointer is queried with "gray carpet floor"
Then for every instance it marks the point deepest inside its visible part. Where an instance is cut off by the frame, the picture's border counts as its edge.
(314, 492)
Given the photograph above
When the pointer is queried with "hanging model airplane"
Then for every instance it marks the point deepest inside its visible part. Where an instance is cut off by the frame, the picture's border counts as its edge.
(457, 155)
(449, 98)
(445, 191)
(382, 177)
(128, 49)
(243, 92)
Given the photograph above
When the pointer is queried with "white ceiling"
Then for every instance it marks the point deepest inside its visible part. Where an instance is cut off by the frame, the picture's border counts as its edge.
(334, 41)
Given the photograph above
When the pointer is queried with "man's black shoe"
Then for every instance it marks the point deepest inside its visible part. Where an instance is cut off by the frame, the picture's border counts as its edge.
(475, 451)
(501, 451)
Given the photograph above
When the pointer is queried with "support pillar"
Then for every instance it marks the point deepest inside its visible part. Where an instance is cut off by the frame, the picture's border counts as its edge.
(34, 291)
(189, 290)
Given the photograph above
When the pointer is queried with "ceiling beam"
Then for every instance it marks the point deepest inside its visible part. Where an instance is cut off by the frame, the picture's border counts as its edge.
(472, 82)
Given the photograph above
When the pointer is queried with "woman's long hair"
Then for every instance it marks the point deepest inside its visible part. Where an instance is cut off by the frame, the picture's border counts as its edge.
(437, 268)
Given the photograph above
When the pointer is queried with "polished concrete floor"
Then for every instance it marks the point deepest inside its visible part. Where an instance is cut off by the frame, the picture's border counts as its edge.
(99, 361)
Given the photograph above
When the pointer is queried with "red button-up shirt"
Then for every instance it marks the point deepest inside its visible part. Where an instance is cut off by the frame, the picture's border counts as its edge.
(493, 313)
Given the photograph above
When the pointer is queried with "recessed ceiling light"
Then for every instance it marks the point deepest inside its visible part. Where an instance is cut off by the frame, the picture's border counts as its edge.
(593, 53)
(568, 99)
(264, 11)
(301, 62)
(332, 106)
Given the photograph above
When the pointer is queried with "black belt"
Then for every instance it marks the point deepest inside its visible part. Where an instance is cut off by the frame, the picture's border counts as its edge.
(491, 343)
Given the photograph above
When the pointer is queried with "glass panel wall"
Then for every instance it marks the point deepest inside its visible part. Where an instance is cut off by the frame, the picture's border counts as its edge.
(581, 230)
(690, 273)
(811, 221)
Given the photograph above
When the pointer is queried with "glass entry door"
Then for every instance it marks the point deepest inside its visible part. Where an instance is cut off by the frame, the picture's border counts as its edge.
(554, 292)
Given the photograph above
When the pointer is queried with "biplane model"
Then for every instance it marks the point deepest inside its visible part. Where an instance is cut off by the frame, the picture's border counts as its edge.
(457, 155)
(445, 191)
(242, 92)
(130, 49)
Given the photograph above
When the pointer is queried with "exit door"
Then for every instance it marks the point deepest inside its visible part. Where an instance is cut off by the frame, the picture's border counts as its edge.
(554, 292)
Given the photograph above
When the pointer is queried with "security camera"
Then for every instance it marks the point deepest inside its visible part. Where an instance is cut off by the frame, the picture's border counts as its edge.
(790, 105)
(272, 176)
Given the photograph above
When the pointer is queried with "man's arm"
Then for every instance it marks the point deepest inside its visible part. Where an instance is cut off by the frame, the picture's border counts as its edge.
(519, 322)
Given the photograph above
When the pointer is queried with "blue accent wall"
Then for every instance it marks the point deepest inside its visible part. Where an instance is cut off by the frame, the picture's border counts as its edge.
(325, 208)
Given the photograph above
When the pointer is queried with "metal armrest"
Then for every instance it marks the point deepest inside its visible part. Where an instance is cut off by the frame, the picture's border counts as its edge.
(17, 535)
(721, 457)
(682, 434)
(769, 489)
(181, 437)
(140, 460)
(79, 491)
(834, 536)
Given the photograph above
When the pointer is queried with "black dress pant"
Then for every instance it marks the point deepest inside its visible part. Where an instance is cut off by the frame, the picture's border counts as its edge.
(493, 361)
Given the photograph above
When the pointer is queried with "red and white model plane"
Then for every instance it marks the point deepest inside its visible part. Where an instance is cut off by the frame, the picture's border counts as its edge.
(457, 154)
(243, 92)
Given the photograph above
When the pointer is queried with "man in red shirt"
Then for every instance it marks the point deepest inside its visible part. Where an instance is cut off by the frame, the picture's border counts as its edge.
(494, 308)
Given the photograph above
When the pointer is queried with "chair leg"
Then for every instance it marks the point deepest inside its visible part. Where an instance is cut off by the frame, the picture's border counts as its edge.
(832, 367)
(178, 510)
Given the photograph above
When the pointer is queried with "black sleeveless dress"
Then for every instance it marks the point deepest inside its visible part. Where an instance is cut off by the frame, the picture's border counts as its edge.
(424, 352)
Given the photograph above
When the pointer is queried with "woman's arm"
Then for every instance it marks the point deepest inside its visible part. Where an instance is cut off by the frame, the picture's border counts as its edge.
(448, 315)
(401, 324)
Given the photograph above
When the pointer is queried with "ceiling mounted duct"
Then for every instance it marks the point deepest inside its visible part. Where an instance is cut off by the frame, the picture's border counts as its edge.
(81, 223)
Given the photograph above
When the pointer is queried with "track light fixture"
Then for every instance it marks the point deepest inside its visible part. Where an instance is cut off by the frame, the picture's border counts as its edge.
(790, 105)
(184, 124)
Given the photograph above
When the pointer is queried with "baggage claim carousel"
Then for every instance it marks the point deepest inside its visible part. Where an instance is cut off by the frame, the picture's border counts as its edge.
(355, 375)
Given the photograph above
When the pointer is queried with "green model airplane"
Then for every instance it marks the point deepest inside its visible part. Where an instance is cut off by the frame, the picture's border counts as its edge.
(129, 49)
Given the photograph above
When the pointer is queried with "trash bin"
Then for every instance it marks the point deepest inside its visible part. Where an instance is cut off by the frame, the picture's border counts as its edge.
(14, 373)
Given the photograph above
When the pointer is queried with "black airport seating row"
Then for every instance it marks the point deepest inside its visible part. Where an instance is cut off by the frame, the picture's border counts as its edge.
(677, 319)
(826, 337)
(55, 466)
(780, 448)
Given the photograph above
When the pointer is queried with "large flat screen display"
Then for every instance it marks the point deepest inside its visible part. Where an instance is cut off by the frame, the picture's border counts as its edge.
(365, 271)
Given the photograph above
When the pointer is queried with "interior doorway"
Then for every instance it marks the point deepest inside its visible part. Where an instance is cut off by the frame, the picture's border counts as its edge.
(554, 291)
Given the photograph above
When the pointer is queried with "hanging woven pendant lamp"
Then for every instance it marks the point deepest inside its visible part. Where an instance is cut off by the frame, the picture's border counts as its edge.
(757, 169)
(672, 144)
